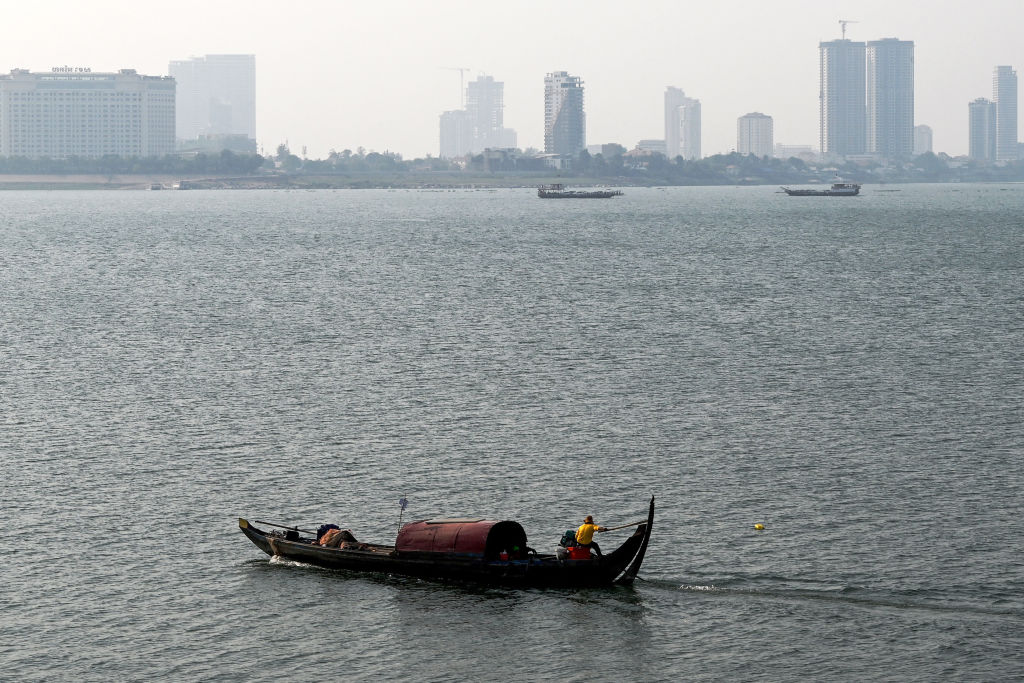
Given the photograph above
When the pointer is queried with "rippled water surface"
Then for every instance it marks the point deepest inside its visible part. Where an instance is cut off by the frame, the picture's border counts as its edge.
(848, 372)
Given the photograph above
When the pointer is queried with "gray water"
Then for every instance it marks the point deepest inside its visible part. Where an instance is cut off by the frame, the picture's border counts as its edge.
(847, 372)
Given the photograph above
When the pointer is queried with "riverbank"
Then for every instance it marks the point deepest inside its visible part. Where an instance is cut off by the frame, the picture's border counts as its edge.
(408, 181)
(285, 181)
(85, 181)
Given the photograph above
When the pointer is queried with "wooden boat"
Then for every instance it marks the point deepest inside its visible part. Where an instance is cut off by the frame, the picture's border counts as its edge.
(485, 551)
(559, 191)
(838, 189)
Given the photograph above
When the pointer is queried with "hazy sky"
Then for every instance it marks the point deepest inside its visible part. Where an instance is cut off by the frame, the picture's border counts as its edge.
(341, 74)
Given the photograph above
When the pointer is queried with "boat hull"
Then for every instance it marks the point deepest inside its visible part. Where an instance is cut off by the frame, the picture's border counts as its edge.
(617, 567)
(575, 194)
(837, 190)
(559, 191)
(820, 193)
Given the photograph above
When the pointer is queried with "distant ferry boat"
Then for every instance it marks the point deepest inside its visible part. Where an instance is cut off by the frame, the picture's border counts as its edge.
(837, 190)
(558, 191)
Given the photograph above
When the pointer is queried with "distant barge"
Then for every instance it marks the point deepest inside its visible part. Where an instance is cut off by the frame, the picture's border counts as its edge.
(837, 190)
(558, 191)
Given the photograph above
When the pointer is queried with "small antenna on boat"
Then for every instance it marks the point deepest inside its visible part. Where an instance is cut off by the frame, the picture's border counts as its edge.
(403, 503)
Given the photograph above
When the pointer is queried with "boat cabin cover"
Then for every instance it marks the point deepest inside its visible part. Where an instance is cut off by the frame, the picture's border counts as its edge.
(487, 538)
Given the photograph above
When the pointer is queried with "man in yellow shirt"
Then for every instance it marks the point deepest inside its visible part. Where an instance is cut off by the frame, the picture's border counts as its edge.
(585, 535)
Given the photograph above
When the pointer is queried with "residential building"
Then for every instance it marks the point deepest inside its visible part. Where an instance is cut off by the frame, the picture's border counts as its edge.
(1004, 92)
(76, 112)
(754, 134)
(456, 134)
(922, 140)
(674, 98)
(565, 123)
(889, 96)
(651, 146)
(216, 96)
(682, 125)
(842, 108)
(607, 149)
(803, 152)
(689, 130)
(215, 144)
(982, 130)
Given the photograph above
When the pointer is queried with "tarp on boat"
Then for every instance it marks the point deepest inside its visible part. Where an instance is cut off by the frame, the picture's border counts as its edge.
(488, 538)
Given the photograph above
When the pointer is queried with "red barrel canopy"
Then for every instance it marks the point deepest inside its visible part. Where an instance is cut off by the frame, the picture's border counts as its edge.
(463, 536)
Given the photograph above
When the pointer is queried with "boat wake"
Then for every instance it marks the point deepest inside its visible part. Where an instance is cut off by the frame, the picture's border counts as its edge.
(850, 595)
(284, 561)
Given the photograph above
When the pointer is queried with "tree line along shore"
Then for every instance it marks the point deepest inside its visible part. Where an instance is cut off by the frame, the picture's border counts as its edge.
(229, 170)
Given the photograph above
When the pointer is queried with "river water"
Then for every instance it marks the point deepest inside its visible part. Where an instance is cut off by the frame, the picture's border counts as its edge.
(847, 372)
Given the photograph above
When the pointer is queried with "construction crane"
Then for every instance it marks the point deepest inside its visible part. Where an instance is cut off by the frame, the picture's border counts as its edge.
(462, 82)
(844, 22)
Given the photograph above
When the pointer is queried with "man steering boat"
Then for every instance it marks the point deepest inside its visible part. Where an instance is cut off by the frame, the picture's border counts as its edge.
(585, 535)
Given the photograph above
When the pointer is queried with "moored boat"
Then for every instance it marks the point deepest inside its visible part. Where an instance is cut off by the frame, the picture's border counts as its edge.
(558, 191)
(479, 550)
(838, 189)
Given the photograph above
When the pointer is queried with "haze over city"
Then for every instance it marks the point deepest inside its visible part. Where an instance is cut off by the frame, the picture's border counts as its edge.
(336, 75)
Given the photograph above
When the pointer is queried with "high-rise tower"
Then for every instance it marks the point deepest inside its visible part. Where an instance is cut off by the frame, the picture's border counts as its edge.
(842, 110)
(682, 125)
(922, 139)
(754, 134)
(982, 130)
(674, 98)
(456, 134)
(1004, 92)
(216, 95)
(889, 81)
(565, 123)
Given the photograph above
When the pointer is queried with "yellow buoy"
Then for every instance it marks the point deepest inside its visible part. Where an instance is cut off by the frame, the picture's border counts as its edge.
(759, 527)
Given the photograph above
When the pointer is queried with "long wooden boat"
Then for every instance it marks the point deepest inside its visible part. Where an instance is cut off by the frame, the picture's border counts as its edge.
(559, 191)
(838, 189)
(486, 551)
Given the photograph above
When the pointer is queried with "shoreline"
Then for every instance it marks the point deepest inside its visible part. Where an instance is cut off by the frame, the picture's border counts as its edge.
(281, 182)
(438, 182)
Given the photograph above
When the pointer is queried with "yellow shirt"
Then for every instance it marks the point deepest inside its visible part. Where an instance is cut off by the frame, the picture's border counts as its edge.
(585, 534)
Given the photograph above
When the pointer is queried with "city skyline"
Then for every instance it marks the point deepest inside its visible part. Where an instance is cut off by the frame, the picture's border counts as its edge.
(322, 64)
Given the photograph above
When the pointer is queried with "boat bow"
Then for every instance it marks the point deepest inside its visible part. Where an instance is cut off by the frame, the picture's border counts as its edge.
(631, 571)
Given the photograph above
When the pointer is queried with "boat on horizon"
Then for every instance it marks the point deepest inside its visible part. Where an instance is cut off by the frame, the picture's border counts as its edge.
(464, 549)
(838, 189)
(559, 191)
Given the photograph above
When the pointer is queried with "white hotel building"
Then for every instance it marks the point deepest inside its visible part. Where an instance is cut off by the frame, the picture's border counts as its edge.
(75, 112)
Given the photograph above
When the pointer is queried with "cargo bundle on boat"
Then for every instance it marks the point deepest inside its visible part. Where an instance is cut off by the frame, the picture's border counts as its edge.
(481, 550)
